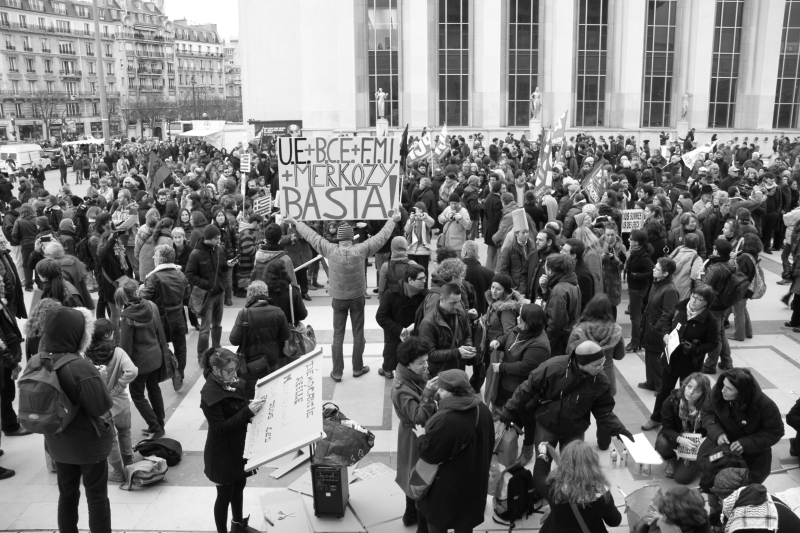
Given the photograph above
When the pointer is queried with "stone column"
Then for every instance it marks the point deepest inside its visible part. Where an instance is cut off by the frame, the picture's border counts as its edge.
(557, 60)
(693, 58)
(624, 65)
(490, 59)
(759, 64)
(418, 99)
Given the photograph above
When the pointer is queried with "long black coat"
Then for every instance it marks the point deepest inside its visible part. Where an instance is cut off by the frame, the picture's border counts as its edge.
(457, 497)
(493, 211)
(481, 279)
(227, 415)
(395, 312)
(266, 331)
(702, 332)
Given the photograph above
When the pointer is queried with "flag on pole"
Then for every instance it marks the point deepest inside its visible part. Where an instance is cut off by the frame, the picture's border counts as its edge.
(594, 184)
(560, 136)
(157, 172)
(442, 144)
(544, 172)
(420, 150)
(404, 149)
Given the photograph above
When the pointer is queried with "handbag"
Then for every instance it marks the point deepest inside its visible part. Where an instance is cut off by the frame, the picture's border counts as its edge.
(301, 338)
(199, 297)
(424, 473)
(169, 363)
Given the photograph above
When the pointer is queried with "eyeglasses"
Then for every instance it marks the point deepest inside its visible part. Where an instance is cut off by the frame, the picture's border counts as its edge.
(232, 372)
(423, 278)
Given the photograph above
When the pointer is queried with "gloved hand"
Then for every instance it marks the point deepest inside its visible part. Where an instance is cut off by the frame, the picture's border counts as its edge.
(626, 433)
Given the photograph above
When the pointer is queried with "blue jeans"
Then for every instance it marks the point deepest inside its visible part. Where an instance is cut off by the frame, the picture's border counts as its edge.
(122, 445)
(741, 320)
(340, 310)
(211, 322)
(95, 483)
(722, 352)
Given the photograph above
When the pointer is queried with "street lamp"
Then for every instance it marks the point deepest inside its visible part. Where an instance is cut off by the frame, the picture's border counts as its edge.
(194, 100)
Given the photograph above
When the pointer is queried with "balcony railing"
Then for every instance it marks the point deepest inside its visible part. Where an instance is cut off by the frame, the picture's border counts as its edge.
(141, 53)
(10, 47)
(56, 94)
(88, 53)
(199, 54)
(147, 72)
(46, 50)
(65, 51)
(70, 73)
(13, 70)
(31, 71)
(28, 28)
(28, 48)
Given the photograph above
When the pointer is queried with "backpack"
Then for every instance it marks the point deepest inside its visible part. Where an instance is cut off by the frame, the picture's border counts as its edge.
(734, 290)
(43, 406)
(520, 498)
(395, 271)
(758, 286)
(148, 471)
(419, 315)
(168, 449)
(83, 254)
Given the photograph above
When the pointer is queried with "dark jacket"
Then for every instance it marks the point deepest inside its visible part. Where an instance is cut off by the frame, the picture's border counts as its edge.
(267, 327)
(522, 355)
(585, 282)
(512, 260)
(563, 309)
(109, 268)
(640, 269)
(24, 231)
(68, 240)
(168, 288)
(563, 396)
(596, 515)
(671, 423)
(717, 273)
(536, 261)
(675, 239)
(458, 497)
(227, 414)
(757, 427)
(481, 279)
(10, 217)
(139, 336)
(658, 314)
(702, 332)
(501, 316)
(207, 264)
(395, 312)
(446, 335)
(493, 215)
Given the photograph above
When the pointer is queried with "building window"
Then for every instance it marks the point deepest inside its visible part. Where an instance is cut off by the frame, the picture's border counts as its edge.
(23, 21)
(32, 86)
(454, 62)
(73, 109)
(590, 104)
(89, 49)
(12, 64)
(95, 109)
(48, 66)
(30, 65)
(72, 88)
(659, 57)
(4, 19)
(50, 85)
(109, 67)
(725, 63)
(18, 108)
(63, 26)
(787, 93)
(92, 68)
(523, 59)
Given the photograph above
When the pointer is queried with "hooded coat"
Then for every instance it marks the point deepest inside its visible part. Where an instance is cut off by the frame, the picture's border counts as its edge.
(501, 316)
(139, 336)
(88, 438)
(563, 309)
(263, 258)
(687, 274)
(227, 415)
(702, 332)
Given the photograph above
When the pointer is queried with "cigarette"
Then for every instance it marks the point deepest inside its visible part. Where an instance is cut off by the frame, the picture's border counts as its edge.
(270, 522)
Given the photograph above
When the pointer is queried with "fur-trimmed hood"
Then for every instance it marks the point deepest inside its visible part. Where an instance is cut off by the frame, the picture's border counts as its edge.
(164, 266)
(68, 330)
(512, 303)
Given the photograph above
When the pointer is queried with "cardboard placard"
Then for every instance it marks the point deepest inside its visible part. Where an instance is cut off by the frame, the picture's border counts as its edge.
(292, 414)
(339, 178)
(244, 163)
(632, 219)
(684, 452)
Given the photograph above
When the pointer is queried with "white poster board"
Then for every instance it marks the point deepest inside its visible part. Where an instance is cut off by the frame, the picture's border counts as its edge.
(339, 178)
(292, 414)
(632, 219)
(244, 163)
(640, 450)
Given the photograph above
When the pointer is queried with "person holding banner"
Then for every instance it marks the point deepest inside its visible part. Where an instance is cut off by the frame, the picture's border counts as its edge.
(347, 285)
(227, 412)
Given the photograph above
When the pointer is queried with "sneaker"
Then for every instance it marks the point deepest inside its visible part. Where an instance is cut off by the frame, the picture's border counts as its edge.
(157, 434)
(631, 348)
(311, 287)
(650, 425)
(768, 252)
(361, 372)
(116, 476)
(336, 377)
(228, 302)
(785, 282)
(733, 338)
(384, 373)
(243, 527)
(669, 471)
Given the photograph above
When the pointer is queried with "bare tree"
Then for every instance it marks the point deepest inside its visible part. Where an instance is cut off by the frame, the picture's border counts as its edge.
(47, 107)
(214, 106)
(148, 108)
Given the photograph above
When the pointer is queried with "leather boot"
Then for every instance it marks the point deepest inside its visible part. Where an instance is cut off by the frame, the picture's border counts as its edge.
(243, 527)
(216, 336)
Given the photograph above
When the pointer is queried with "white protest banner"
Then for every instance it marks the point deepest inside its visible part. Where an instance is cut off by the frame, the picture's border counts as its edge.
(632, 219)
(690, 157)
(292, 414)
(339, 178)
(244, 163)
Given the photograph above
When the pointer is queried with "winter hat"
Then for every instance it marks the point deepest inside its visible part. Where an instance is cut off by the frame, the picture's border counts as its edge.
(580, 219)
(454, 197)
(454, 380)
(43, 194)
(724, 248)
(344, 233)
(504, 281)
(211, 231)
(743, 215)
(42, 222)
(399, 247)
(15, 204)
(66, 225)
(140, 195)
(706, 189)
(578, 198)
(728, 480)
(588, 352)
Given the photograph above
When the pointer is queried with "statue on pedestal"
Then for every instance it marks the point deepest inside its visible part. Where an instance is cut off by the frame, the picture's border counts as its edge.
(536, 103)
(380, 98)
(685, 105)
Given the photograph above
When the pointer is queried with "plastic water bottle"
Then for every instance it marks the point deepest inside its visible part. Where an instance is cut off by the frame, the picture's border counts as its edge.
(623, 462)
(613, 458)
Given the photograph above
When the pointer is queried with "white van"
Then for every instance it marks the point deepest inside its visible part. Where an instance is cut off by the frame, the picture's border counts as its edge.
(24, 155)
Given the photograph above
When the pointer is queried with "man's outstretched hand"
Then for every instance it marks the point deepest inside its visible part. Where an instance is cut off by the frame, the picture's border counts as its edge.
(626, 433)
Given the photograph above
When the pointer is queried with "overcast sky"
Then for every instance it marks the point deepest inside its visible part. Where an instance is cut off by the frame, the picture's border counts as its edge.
(224, 14)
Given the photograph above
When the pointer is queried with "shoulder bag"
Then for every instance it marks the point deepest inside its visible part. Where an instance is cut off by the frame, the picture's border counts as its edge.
(580, 519)
(199, 297)
(301, 338)
(169, 363)
(424, 473)
(247, 366)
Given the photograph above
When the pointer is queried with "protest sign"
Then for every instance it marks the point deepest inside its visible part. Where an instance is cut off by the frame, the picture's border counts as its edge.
(690, 157)
(420, 150)
(262, 205)
(685, 452)
(244, 163)
(292, 414)
(632, 219)
(339, 178)
(594, 184)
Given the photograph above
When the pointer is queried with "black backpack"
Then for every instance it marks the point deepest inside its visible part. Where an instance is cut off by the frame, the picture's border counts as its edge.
(168, 449)
(83, 254)
(395, 271)
(734, 290)
(521, 499)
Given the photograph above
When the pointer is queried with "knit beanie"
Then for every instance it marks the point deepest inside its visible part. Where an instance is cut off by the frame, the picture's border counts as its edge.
(344, 233)
(724, 248)
(66, 224)
(504, 281)
(210, 232)
(15, 204)
(453, 380)
(42, 222)
(743, 215)
(454, 197)
(588, 352)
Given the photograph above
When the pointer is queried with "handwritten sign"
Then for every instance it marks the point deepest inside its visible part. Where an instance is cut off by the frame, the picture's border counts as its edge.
(632, 219)
(292, 414)
(244, 163)
(339, 178)
(685, 452)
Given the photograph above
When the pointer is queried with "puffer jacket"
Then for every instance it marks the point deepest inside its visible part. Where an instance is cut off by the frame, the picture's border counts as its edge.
(263, 258)
(346, 260)
(522, 354)
(229, 238)
(454, 232)
(687, 273)
(563, 309)
(445, 339)
(563, 397)
(24, 231)
(501, 316)
(569, 221)
(139, 336)
(207, 264)
(513, 261)
(267, 327)
(658, 314)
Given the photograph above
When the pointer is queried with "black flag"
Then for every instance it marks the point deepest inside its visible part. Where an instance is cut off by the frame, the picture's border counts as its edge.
(404, 149)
